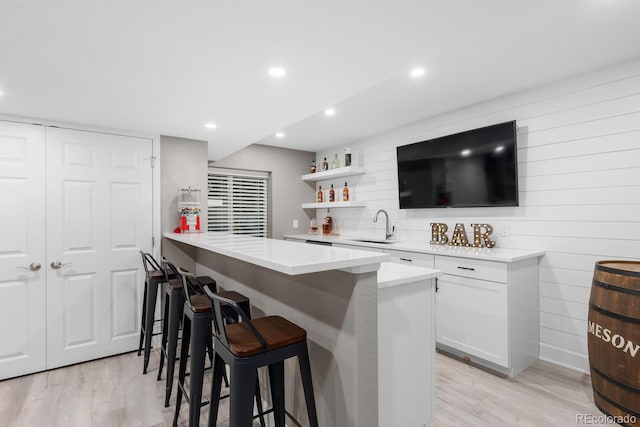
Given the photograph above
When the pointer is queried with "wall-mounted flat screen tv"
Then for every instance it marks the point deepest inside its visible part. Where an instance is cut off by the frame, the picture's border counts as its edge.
(475, 168)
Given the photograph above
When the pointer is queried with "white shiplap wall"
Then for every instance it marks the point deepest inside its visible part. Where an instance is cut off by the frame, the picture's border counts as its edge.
(579, 181)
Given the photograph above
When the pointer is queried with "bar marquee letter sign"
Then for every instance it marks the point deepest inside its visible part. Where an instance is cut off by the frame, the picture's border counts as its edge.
(481, 233)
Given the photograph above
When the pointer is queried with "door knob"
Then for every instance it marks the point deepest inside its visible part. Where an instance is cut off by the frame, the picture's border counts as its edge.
(34, 266)
(58, 264)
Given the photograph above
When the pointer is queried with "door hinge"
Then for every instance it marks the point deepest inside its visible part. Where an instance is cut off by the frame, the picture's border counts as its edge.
(153, 241)
(153, 161)
(436, 284)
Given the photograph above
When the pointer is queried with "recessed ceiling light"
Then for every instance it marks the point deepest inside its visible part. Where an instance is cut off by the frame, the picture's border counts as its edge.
(279, 134)
(277, 72)
(417, 72)
(499, 148)
(329, 112)
(210, 126)
(1, 93)
(465, 152)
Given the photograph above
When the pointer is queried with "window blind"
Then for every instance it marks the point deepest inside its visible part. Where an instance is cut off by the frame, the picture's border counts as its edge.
(243, 208)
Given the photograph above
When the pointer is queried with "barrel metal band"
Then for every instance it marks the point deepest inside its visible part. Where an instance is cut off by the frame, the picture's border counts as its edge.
(617, 271)
(614, 315)
(616, 288)
(616, 382)
(617, 405)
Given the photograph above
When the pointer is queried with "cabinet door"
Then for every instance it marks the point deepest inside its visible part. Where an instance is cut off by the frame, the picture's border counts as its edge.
(22, 244)
(99, 217)
(472, 317)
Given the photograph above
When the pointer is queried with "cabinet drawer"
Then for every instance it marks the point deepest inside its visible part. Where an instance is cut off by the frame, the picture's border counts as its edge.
(473, 268)
(411, 258)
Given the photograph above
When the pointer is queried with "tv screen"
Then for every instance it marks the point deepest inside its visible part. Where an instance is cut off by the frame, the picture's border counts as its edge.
(469, 169)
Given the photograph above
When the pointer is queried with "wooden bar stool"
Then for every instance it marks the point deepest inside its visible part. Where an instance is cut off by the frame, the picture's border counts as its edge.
(173, 313)
(154, 276)
(247, 346)
(196, 336)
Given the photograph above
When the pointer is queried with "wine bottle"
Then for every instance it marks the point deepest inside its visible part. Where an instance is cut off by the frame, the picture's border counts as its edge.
(320, 198)
(332, 194)
(345, 193)
(313, 166)
(335, 164)
(325, 165)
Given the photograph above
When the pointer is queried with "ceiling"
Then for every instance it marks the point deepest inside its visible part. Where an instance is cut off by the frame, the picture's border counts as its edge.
(163, 67)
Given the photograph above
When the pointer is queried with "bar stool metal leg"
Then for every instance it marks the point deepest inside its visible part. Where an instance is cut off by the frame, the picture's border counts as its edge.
(176, 311)
(241, 396)
(142, 321)
(165, 327)
(276, 378)
(182, 370)
(307, 385)
(150, 306)
(199, 340)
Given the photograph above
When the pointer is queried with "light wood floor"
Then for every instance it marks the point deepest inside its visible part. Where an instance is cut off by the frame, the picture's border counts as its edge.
(113, 392)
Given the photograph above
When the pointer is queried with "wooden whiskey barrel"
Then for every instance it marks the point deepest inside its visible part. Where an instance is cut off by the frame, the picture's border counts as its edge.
(614, 339)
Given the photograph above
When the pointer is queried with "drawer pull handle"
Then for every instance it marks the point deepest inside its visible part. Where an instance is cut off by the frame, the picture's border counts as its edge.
(467, 268)
(406, 259)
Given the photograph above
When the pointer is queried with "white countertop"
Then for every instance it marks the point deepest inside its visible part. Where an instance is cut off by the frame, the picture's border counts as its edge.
(394, 274)
(493, 254)
(285, 257)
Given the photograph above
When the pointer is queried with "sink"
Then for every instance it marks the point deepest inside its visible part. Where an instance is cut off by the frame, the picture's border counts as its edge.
(382, 241)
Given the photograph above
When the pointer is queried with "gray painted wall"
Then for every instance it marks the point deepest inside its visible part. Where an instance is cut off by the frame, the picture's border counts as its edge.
(183, 163)
(288, 192)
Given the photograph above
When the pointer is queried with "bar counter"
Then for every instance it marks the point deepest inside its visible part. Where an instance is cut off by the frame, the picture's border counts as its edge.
(330, 292)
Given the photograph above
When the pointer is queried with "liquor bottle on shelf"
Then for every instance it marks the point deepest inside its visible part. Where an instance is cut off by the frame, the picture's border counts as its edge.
(345, 193)
(335, 164)
(332, 194)
(320, 197)
(347, 156)
(325, 165)
(313, 166)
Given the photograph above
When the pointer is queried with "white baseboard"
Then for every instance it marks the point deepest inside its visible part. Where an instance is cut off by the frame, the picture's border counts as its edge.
(566, 358)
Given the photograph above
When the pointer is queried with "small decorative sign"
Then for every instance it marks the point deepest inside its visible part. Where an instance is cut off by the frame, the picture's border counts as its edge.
(481, 233)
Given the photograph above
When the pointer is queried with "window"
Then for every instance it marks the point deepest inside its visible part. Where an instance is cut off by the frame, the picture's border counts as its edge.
(238, 202)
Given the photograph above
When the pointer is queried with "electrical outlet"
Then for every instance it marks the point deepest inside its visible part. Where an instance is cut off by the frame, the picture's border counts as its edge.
(295, 223)
(504, 230)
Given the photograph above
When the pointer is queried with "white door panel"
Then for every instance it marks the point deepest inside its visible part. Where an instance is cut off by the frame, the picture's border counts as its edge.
(22, 227)
(98, 219)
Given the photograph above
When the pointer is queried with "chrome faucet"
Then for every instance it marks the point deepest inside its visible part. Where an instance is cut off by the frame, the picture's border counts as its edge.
(388, 232)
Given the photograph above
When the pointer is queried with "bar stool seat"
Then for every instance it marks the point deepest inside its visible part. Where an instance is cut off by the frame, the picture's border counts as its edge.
(276, 331)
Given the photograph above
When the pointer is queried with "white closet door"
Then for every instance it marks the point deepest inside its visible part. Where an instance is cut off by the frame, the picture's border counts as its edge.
(22, 222)
(99, 215)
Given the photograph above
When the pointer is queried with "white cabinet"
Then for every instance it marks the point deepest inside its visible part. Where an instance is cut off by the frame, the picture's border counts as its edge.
(406, 345)
(473, 317)
(487, 311)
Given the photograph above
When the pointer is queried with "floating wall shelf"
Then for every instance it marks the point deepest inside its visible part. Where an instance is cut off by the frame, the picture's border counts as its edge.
(334, 173)
(328, 205)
